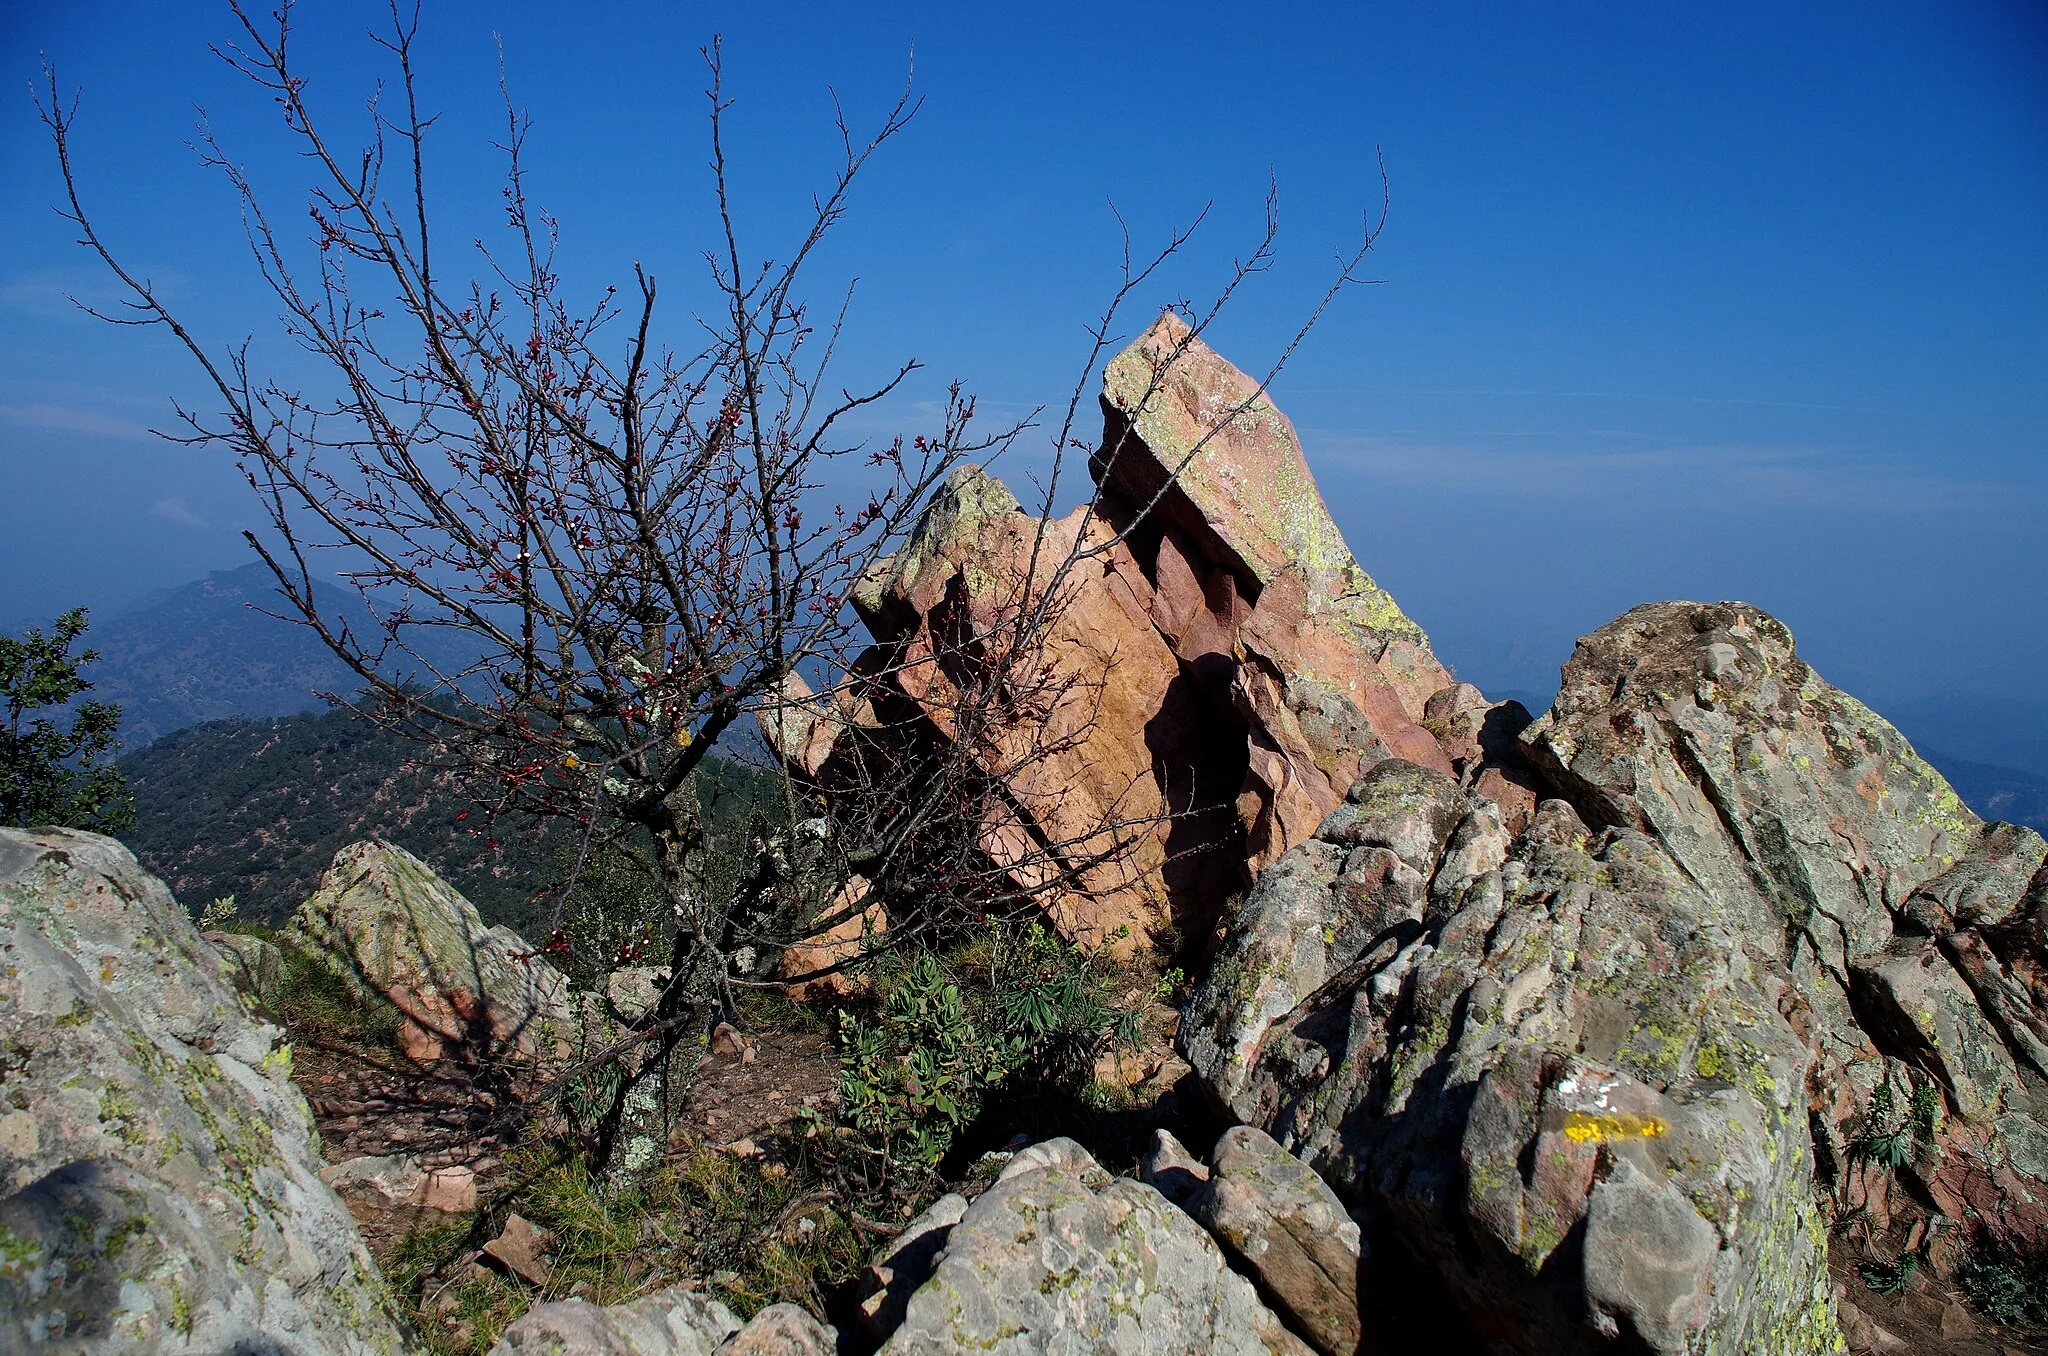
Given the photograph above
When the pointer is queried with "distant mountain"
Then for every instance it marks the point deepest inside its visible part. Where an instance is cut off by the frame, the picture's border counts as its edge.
(210, 651)
(257, 809)
(204, 652)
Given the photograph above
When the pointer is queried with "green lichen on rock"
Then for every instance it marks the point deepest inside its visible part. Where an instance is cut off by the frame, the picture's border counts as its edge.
(166, 1196)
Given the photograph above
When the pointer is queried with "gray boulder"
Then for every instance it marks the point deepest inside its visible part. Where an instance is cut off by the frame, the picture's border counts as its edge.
(782, 1330)
(1284, 1227)
(1059, 1256)
(159, 1188)
(673, 1322)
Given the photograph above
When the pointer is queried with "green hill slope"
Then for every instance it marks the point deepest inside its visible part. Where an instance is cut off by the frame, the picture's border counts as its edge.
(258, 808)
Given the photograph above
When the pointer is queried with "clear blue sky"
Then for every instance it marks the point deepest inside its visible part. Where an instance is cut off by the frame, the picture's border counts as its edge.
(1681, 301)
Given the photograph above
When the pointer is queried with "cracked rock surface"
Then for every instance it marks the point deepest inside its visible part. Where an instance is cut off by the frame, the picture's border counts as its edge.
(1601, 1075)
(1059, 1256)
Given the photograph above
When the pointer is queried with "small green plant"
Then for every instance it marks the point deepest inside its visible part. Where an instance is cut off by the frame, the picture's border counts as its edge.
(1890, 1138)
(217, 916)
(1013, 1005)
(1170, 984)
(1926, 1115)
(765, 1233)
(1890, 1279)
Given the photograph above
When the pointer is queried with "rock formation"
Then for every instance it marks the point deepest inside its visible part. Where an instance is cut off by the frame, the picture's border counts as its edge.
(159, 1190)
(1600, 1074)
(389, 923)
(1603, 1062)
(1281, 1223)
(1219, 667)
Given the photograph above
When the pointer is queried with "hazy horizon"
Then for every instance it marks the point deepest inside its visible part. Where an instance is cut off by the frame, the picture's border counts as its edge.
(1743, 304)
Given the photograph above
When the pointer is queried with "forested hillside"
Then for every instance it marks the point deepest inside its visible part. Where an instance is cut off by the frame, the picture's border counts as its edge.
(257, 809)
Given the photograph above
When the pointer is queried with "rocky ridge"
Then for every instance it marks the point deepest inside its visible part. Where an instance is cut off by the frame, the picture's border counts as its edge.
(1610, 1076)
(1599, 1015)
(1595, 1026)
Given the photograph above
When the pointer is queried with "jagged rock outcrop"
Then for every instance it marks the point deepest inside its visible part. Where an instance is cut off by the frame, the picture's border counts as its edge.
(1060, 1256)
(1598, 1074)
(387, 922)
(159, 1190)
(1216, 671)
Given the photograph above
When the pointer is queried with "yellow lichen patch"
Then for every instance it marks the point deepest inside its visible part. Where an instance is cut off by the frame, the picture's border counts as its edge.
(1583, 1127)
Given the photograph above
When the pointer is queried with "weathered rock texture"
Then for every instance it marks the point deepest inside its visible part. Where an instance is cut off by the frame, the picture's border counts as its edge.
(667, 1323)
(389, 923)
(1059, 1256)
(906, 1263)
(1284, 1227)
(253, 965)
(158, 1182)
(1590, 1071)
(1217, 670)
(673, 1322)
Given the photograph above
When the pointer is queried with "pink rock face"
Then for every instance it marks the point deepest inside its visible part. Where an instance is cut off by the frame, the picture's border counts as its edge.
(451, 1190)
(1217, 671)
(1099, 679)
(836, 945)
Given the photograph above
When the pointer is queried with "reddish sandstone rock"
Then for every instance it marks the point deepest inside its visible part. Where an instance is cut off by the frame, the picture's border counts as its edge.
(1326, 670)
(1217, 672)
(836, 945)
(1099, 685)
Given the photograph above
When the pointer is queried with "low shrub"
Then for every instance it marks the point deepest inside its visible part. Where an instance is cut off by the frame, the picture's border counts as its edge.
(1012, 1006)
(2007, 1286)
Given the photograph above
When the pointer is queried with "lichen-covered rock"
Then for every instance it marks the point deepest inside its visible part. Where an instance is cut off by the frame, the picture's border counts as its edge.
(1058, 1256)
(159, 1190)
(634, 990)
(254, 965)
(388, 922)
(1570, 1068)
(1601, 1074)
(782, 1330)
(905, 1263)
(675, 1322)
(1287, 1229)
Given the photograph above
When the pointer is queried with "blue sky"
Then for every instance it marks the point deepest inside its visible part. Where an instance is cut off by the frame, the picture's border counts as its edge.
(1679, 301)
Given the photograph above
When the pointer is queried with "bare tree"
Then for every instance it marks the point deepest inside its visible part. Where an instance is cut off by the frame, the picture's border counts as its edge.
(630, 541)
